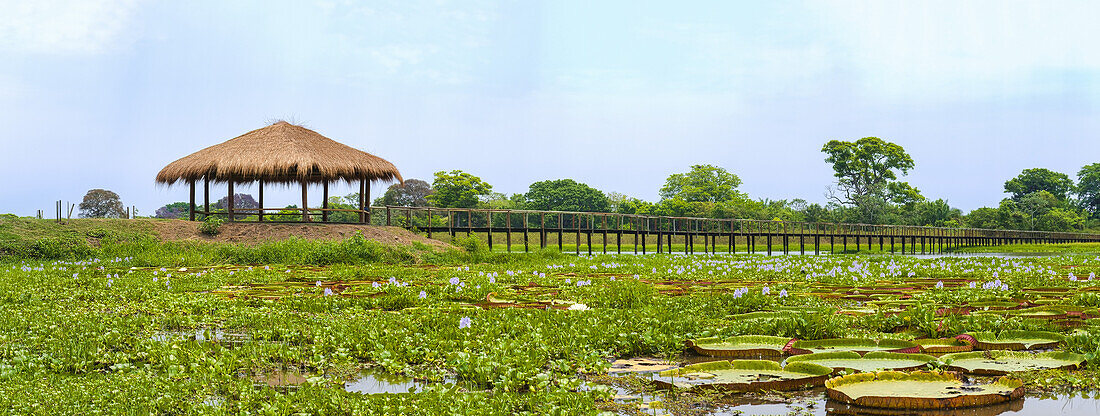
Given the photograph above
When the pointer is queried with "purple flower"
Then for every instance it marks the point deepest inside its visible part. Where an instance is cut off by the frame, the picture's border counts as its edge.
(328, 291)
(423, 294)
(375, 285)
(464, 322)
(454, 281)
(783, 293)
(939, 285)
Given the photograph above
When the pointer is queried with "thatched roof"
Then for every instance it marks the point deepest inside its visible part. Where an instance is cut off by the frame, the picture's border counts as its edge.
(279, 153)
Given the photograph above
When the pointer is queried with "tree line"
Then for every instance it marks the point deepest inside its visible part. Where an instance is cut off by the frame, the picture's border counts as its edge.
(868, 188)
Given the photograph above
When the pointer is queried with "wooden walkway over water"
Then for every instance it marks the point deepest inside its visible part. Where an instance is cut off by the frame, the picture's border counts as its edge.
(522, 230)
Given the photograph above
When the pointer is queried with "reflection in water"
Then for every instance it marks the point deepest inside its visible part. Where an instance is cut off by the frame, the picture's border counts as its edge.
(377, 382)
(1030, 406)
(814, 402)
(374, 382)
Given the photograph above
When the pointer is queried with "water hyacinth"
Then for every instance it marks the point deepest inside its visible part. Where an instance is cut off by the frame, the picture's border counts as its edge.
(422, 294)
(464, 323)
(454, 281)
(783, 293)
(375, 285)
(765, 291)
(328, 291)
(939, 284)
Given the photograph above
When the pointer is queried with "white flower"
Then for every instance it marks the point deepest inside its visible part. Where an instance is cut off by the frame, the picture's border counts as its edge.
(578, 307)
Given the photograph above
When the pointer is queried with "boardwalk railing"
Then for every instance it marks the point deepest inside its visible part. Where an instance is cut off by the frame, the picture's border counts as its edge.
(687, 234)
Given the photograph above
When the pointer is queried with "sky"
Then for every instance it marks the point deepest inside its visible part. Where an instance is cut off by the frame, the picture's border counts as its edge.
(615, 94)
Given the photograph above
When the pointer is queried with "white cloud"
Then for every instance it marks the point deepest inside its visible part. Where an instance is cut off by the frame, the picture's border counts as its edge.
(64, 27)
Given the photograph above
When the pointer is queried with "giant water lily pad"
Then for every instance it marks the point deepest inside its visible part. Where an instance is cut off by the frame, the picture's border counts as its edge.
(745, 375)
(859, 345)
(996, 363)
(740, 346)
(944, 345)
(876, 360)
(1016, 340)
(919, 390)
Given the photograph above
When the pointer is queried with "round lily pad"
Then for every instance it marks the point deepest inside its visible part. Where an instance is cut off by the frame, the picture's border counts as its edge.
(740, 346)
(995, 304)
(919, 390)
(876, 360)
(944, 345)
(639, 365)
(859, 345)
(1016, 340)
(995, 363)
(744, 375)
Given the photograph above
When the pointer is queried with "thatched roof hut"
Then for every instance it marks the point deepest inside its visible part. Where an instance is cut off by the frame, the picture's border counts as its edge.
(280, 153)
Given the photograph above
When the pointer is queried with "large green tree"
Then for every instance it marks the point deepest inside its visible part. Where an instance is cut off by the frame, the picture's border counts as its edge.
(703, 183)
(1088, 188)
(458, 189)
(411, 193)
(1039, 179)
(867, 175)
(101, 203)
(565, 195)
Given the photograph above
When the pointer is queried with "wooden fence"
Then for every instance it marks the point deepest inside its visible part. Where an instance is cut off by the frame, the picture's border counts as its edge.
(690, 235)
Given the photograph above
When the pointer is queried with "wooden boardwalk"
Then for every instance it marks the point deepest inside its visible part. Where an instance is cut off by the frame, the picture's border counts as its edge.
(541, 229)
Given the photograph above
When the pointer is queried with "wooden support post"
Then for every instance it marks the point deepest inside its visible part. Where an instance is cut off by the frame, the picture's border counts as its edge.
(429, 223)
(324, 202)
(802, 238)
(604, 218)
(489, 224)
(576, 225)
(660, 235)
(305, 201)
(619, 236)
(769, 239)
(525, 247)
(451, 223)
(644, 229)
(508, 231)
(366, 200)
(205, 196)
(561, 229)
(363, 203)
(591, 223)
(858, 232)
(230, 205)
(817, 239)
(191, 206)
(542, 230)
(261, 201)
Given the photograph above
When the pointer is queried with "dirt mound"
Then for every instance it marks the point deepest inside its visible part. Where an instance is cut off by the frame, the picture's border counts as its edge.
(254, 233)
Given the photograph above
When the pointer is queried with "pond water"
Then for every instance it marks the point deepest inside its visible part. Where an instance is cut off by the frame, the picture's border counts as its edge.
(814, 402)
(376, 382)
(1029, 406)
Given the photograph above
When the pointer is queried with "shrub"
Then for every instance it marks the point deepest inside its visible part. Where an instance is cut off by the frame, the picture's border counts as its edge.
(211, 226)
